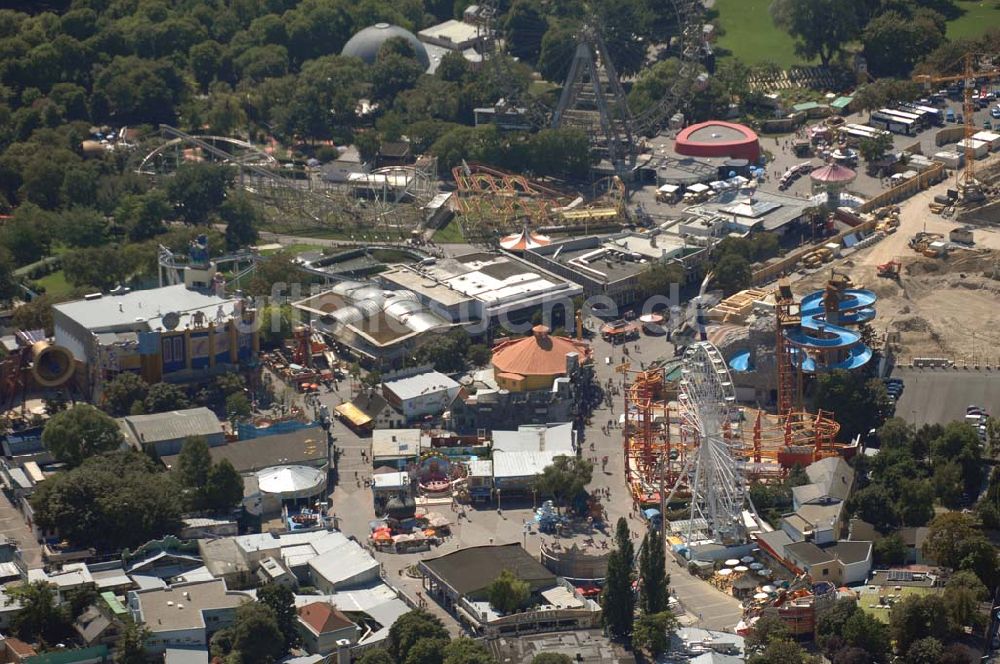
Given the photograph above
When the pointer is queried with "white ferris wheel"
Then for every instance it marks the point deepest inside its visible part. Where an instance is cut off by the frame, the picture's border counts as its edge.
(715, 473)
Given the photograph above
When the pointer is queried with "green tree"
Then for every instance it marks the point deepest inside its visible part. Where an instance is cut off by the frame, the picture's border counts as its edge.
(659, 277)
(143, 214)
(131, 645)
(8, 282)
(79, 433)
(478, 355)
(963, 595)
(241, 219)
(165, 397)
(919, 616)
(507, 593)
(830, 625)
(874, 149)
(821, 28)
(733, 273)
(376, 656)
(256, 635)
(925, 651)
(782, 651)
(238, 407)
(890, 550)
(524, 28)
(204, 60)
(551, 658)
(391, 74)
(895, 42)
(947, 536)
(767, 630)
(198, 190)
(410, 628)
(40, 618)
(565, 478)
(959, 443)
(884, 92)
(557, 48)
(224, 487)
(617, 600)
(26, 234)
(466, 651)
(446, 352)
(426, 651)
(122, 391)
(281, 601)
(653, 631)
(653, 578)
(109, 502)
(860, 402)
(133, 90)
(623, 541)
(870, 634)
(81, 226)
(194, 463)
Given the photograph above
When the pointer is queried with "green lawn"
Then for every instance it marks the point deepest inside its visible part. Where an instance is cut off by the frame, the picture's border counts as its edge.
(55, 284)
(869, 602)
(450, 234)
(977, 17)
(751, 35)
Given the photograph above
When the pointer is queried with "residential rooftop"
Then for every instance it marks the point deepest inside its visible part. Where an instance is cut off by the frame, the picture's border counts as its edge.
(180, 607)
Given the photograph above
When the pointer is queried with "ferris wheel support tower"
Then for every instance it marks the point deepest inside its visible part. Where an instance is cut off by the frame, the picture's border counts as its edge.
(710, 425)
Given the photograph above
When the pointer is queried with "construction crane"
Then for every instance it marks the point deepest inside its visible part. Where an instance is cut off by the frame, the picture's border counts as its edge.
(968, 186)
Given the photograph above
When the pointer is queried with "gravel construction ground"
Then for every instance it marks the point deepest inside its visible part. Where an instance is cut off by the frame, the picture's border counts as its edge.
(941, 307)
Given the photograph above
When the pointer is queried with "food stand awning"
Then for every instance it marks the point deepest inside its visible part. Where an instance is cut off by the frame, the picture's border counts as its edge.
(353, 414)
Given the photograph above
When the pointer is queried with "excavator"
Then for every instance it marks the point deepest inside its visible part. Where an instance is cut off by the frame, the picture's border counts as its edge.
(890, 270)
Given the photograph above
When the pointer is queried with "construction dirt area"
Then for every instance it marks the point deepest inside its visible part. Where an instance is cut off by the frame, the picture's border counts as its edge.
(940, 307)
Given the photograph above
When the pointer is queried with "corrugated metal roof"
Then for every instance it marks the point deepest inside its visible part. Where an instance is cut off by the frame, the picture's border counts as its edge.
(421, 384)
(172, 426)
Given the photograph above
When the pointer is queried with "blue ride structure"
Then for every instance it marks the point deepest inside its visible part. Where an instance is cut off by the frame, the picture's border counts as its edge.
(823, 336)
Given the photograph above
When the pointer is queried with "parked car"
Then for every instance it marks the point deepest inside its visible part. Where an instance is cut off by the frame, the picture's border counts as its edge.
(995, 112)
(949, 115)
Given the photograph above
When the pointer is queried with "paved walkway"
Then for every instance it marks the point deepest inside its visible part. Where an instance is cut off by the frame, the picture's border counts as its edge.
(13, 527)
(352, 503)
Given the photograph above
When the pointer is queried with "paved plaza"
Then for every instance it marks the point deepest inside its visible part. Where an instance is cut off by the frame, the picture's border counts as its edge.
(352, 502)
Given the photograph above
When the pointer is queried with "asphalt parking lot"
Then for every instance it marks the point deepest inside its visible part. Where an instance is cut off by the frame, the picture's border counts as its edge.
(941, 395)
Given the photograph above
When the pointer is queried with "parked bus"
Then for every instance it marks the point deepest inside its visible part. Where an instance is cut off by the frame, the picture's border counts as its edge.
(894, 124)
(933, 115)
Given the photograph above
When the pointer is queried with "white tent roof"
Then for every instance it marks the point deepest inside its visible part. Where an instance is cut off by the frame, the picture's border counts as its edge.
(697, 187)
(290, 481)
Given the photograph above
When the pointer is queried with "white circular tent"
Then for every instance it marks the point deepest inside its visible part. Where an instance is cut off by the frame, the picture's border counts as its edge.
(291, 482)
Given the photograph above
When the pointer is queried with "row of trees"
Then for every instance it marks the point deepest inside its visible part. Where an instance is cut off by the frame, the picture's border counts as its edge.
(895, 36)
(898, 487)
(129, 394)
(651, 631)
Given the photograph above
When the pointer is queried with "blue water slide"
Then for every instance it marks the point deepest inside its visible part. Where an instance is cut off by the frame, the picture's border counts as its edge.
(856, 306)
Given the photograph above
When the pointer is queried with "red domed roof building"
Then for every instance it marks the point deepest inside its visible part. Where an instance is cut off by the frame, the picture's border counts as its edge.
(532, 363)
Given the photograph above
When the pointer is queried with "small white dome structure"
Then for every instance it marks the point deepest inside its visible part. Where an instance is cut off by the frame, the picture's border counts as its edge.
(291, 482)
(366, 43)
